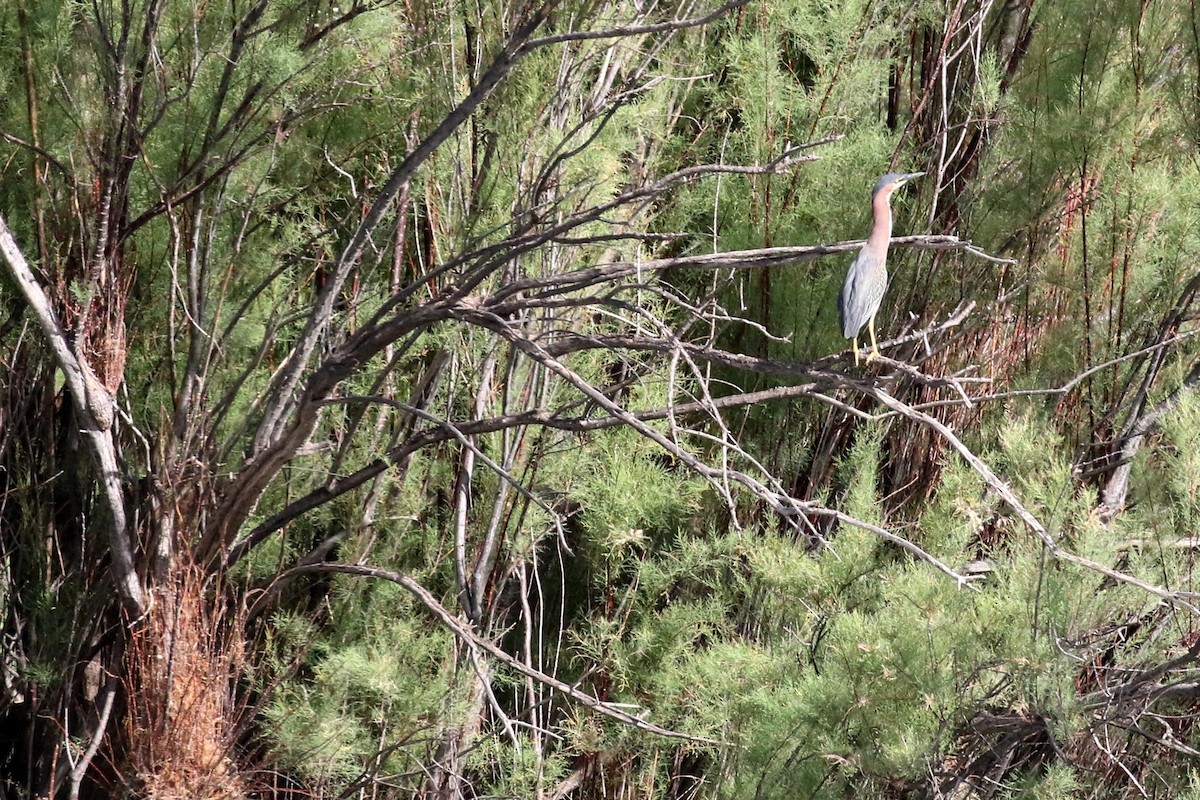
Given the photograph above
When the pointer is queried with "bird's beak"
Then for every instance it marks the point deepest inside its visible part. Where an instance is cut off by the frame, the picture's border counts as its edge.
(910, 176)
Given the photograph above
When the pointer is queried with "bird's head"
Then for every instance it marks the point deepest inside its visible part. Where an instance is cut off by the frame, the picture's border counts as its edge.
(893, 181)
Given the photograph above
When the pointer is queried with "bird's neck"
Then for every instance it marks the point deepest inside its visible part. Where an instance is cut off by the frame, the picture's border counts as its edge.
(881, 232)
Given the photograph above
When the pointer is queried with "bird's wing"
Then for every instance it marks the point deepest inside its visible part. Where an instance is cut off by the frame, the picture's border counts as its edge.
(849, 319)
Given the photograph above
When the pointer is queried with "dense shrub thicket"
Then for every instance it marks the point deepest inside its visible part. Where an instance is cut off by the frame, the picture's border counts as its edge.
(447, 400)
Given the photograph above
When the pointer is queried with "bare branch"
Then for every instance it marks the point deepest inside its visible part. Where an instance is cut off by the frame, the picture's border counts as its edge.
(637, 30)
(571, 343)
(512, 51)
(94, 407)
(729, 260)
(1117, 487)
(966, 581)
(1065, 388)
(85, 760)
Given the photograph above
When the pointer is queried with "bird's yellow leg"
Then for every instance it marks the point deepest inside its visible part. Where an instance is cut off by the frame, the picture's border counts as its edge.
(855, 342)
(874, 345)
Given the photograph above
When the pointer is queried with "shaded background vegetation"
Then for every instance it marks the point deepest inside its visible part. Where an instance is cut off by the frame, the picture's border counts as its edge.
(455, 460)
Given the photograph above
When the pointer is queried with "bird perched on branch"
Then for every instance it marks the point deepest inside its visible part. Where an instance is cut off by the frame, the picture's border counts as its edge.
(867, 279)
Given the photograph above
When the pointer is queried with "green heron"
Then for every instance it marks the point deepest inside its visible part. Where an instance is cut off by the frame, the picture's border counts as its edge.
(867, 279)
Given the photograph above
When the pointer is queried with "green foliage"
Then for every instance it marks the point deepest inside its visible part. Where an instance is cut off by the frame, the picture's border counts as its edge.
(376, 675)
(820, 662)
(852, 667)
(861, 469)
(628, 499)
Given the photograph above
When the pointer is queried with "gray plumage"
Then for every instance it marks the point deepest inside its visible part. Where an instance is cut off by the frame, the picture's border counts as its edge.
(863, 291)
(867, 279)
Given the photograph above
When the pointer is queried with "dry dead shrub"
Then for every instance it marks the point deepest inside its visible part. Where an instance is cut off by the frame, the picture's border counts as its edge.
(998, 347)
(180, 729)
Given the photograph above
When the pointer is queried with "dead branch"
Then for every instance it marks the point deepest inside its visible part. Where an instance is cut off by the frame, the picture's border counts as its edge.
(322, 314)
(85, 759)
(577, 280)
(963, 580)
(94, 407)
(1067, 387)
(638, 30)
(572, 343)
(1117, 487)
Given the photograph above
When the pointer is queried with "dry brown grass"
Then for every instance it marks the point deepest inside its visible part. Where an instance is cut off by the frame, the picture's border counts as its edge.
(180, 728)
